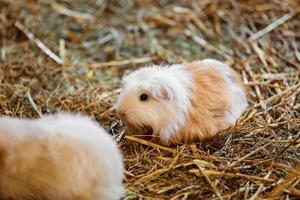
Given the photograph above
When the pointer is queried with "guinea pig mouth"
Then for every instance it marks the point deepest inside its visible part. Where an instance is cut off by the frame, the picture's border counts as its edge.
(141, 131)
(148, 130)
(145, 130)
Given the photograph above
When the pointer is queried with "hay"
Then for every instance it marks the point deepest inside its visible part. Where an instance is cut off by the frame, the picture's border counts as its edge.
(71, 55)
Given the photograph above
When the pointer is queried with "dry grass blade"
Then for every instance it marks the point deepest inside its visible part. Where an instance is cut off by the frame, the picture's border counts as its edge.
(63, 10)
(108, 111)
(132, 61)
(40, 44)
(274, 97)
(228, 174)
(151, 144)
(208, 180)
(32, 103)
(195, 19)
(265, 84)
(272, 26)
(248, 155)
(295, 192)
(159, 171)
(286, 183)
(261, 187)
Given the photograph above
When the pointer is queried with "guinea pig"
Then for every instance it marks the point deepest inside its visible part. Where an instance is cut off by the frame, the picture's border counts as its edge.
(58, 157)
(181, 103)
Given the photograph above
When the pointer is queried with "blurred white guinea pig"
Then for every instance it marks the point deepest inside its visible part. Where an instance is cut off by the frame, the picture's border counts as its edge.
(58, 157)
(182, 103)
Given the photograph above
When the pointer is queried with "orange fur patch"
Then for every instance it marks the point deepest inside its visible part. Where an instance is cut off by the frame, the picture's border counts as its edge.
(209, 102)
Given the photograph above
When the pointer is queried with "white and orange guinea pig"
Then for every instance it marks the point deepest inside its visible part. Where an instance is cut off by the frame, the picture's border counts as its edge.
(181, 103)
(58, 157)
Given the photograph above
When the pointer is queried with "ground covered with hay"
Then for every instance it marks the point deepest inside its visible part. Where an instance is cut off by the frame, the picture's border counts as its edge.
(70, 55)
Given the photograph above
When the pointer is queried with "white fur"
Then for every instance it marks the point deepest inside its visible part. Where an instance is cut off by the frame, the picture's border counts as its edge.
(178, 81)
(238, 98)
(77, 128)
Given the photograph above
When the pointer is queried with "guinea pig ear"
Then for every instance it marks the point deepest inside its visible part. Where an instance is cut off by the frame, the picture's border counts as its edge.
(164, 92)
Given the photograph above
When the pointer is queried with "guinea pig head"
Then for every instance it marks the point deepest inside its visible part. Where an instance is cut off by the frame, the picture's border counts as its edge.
(150, 100)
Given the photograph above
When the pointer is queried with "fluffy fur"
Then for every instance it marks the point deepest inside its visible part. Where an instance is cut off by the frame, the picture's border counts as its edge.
(58, 157)
(166, 110)
(204, 97)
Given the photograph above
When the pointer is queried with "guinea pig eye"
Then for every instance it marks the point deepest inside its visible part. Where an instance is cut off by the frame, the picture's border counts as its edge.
(143, 97)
